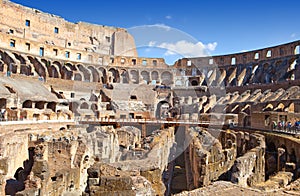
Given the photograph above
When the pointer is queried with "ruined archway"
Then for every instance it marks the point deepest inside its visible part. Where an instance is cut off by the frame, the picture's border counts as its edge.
(40, 105)
(124, 76)
(52, 106)
(103, 75)
(155, 76)
(85, 72)
(66, 73)
(166, 78)
(162, 110)
(27, 104)
(84, 105)
(114, 75)
(134, 76)
(145, 76)
(95, 74)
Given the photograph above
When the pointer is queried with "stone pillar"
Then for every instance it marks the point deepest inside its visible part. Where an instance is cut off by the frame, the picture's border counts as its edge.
(144, 130)
(280, 154)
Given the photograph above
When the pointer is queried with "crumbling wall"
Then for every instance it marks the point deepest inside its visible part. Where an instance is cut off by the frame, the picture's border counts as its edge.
(249, 169)
(150, 167)
(207, 158)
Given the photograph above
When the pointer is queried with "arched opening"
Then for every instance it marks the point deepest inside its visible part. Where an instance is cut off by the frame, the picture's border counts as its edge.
(53, 72)
(94, 107)
(84, 105)
(85, 72)
(269, 107)
(103, 76)
(124, 76)
(134, 76)
(133, 97)
(77, 77)
(162, 110)
(145, 76)
(52, 106)
(40, 105)
(73, 107)
(27, 104)
(66, 73)
(279, 108)
(115, 75)
(194, 83)
(154, 75)
(38, 67)
(166, 78)
(95, 74)
(93, 97)
(297, 50)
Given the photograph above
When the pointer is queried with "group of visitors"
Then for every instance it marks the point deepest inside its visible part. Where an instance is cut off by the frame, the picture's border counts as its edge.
(287, 126)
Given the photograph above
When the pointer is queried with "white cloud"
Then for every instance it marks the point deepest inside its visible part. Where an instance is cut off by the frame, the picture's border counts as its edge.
(152, 43)
(185, 48)
(169, 17)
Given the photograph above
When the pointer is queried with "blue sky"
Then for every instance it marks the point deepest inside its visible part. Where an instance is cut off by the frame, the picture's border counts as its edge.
(223, 27)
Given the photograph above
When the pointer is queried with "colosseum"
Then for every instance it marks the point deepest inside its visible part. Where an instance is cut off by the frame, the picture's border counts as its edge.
(82, 114)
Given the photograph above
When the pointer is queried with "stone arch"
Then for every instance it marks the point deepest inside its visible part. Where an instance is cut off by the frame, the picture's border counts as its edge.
(86, 73)
(84, 105)
(7, 60)
(93, 97)
(46, 64)
(269, 107)
(27, 104)
(115, 75)
(25, 69)
(154, 76)
(290, 107)
(52, 106)
(1, 65)
(54, 71)
(95, 74)
(40, 105)
(246, 109)
(221, 76)
(102, 75)
(94, 107)
(134, 76)
(231, 76)
(78, 76)
(19, 58)
(38, 67)
(71, 66)
(194, 82)
(146, 76)
(279, 108)
(66, 73)
(247, 121)
(74, 106)
(166, 78)
(124, 76)
(162, 110)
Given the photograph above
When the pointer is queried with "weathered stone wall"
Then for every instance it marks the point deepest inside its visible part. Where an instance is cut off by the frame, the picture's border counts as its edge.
(249, 169)
(207, 158)
(77, 37)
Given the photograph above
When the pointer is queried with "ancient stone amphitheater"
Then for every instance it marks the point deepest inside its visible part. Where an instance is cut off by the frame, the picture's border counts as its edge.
(82, 114)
